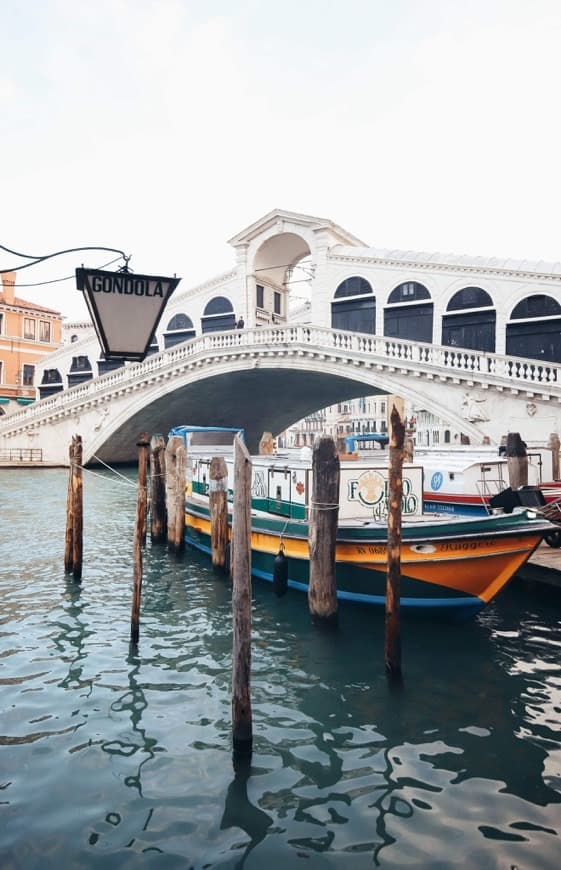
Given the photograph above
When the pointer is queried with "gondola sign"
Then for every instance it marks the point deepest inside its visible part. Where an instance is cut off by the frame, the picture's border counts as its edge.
(125, 308)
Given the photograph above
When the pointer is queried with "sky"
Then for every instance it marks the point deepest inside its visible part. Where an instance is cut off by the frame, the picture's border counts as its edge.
(164, 127)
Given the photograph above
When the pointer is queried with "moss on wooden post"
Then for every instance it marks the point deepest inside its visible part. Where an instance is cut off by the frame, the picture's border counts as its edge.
(393, 580)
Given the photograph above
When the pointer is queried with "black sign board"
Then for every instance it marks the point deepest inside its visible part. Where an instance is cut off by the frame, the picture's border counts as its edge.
(125, 308)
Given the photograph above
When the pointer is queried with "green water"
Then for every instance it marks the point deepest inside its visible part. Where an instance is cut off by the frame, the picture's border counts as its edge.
(117, 757)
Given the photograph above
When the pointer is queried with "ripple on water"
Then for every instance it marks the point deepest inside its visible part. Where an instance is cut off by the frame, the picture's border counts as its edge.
(109, 752)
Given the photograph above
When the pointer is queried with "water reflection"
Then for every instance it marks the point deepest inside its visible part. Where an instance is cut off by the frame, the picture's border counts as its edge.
(239, 812)
(133, 702)
(459, 766)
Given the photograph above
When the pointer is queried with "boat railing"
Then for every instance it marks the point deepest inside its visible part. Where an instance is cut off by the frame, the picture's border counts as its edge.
(552, 511)
(487, 488)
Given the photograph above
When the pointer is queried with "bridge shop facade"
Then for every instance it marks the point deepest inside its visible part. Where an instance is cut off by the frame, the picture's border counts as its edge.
(293, 267)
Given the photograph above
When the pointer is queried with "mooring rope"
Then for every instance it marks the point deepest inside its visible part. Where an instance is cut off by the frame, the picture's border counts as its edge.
(114, 470)
(123, 482)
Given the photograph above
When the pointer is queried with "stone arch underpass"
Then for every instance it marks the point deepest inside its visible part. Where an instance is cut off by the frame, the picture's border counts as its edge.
(267, 378)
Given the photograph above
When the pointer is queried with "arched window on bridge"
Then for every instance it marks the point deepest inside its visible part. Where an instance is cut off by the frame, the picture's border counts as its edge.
(154, 347)
(80, 371)
(180, 328)
(409, 312)
(473, 321)
(108, 365)
(51, 382)
(218, 315)
(354, 306)
(535, 329)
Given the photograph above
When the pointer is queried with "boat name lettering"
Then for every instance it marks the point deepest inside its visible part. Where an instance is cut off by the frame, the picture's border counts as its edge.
(258, 489)
(454, 546)
(373, 550)
(126, 285)
(372, 490)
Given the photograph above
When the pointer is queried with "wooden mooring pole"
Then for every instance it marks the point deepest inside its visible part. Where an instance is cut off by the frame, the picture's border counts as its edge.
(171, 487)
(140, 524)
(322, 531)
(180, 478)
(393, 580)
(218, 503)
(158, 519)
(68, 538)
(516, 460)
(242, 727)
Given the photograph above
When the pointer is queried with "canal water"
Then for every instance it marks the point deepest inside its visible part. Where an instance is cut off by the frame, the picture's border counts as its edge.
(120, 757)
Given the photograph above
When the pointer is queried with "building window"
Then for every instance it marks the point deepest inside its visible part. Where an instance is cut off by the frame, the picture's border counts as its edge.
(1, 322)
(80, 364)
(354, 306)
(28, 327)
(260, 295)
(277, 302)
(180, 328)
(218, 315)
(28, 375)
(44, 330)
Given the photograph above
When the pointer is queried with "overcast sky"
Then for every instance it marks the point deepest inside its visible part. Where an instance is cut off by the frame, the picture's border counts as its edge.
(163, 127)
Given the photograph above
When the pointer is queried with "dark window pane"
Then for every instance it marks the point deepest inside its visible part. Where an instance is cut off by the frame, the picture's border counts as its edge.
(413, 323)
(218, 305)
(260, 295)
(277, 302)
(177, 337)
(540, 341)
(180, 321)
(536, 306)
(473, 331)
(358, 315)
(51, 376)
(218, 324)
(410, 291)
(469, 297)
(80, 364)
(354, 286)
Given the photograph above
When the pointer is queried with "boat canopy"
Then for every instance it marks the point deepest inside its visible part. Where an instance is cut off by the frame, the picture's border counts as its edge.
(198, 436)
(351, 440)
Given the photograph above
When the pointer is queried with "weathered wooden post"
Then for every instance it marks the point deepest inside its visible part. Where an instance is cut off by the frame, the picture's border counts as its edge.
(77, 509)
(158, 524)
(322, 531)
(68, 538)
(517, 460)
(218, 503)
(267, 444)
(171, 486)
(554, 445)
(393, 580)
(180, 478)
(242, 727)
(139, 526)
(408, 450)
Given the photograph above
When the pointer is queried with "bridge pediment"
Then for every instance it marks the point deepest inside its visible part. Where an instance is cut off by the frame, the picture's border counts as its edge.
(280, 221)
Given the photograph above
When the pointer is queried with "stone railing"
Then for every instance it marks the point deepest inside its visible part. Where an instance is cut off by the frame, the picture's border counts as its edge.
(423, 359)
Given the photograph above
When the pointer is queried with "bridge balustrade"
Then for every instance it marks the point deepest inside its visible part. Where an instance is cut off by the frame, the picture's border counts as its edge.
(415, 355)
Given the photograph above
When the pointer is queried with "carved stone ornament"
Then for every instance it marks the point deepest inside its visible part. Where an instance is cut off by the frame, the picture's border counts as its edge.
(474, 410)
(531, 408)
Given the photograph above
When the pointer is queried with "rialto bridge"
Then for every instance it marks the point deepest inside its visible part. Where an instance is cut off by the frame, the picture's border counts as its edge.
(476, 341)
(266, 378)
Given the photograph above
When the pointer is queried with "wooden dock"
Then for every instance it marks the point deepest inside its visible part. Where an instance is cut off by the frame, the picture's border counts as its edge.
(544, 566)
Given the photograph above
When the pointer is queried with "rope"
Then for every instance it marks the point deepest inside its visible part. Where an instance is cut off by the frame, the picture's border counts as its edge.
(324, 506)
(108, 480)
(114, 470)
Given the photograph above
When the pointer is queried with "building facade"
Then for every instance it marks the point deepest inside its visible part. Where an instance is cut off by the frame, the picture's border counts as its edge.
(510, 307)
(28, 332)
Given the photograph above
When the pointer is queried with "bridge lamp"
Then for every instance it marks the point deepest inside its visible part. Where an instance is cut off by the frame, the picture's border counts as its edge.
(125, 308)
